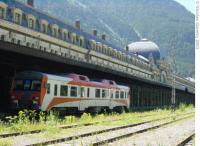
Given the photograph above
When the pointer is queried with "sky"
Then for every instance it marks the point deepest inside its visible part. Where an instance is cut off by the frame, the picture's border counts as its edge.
(188, 4)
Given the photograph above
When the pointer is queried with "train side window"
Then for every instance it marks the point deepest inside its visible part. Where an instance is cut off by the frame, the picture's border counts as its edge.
(63, 90)
(19, 85)
(27, 84)
(55, 90)
(73, 91)
(88, 92)
(122, 94)
(117, 94)
(127, 94)
(48, 88)
(103, 93)
(35, 85)
(97, 93)
(82, 89)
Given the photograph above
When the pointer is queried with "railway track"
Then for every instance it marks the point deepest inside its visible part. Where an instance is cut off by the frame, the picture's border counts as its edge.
(115, 129)
(188, 141)
(63, 127)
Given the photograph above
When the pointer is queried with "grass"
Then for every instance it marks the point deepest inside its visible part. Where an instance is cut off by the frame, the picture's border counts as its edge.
(193, 141)
(6, 142)
(26, 120)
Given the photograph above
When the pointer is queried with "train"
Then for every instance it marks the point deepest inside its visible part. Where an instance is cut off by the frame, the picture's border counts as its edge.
(67, 92)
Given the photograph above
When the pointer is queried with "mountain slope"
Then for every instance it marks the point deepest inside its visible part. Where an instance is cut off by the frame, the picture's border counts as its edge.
(163, 21)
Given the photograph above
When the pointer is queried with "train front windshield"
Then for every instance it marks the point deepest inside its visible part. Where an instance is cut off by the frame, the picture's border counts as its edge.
(27, 85)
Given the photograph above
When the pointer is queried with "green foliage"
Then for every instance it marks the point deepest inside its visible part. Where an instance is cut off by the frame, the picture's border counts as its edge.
(86, 117)
(6, 142)
(21, 122)
(28, 120)
(183, 107)
(70, 119)
(52, 118)
(42, 117)
(100, 117)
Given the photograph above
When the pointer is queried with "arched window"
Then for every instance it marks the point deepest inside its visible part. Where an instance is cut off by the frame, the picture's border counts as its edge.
(110, 51)
(126, 58)
(105, 49)
(99, 47)
(43, 26)
(17, 16)
(77, 39)
(118, 55)
(73, 38)
(81, 42)
(31, 21)
(93, 44)
(3, 8)
(64, 33)
(123, 56)
(115, 53)
(54, 30)
(69, 36)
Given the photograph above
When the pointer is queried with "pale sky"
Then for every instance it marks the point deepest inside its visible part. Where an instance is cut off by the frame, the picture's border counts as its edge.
(188, 4)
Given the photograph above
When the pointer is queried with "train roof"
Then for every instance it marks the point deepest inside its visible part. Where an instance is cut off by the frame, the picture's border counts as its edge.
(71, 78)
(124, 87)
(39, 75)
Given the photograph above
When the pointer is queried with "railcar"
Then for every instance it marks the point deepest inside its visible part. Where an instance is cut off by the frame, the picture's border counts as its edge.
(72, 92)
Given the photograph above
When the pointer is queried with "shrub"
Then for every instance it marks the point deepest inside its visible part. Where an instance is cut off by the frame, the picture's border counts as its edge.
(86, 117)
(6, 142)
(69, 119)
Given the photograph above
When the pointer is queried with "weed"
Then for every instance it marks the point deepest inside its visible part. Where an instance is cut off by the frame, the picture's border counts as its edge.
(42, 117)
(99, 117)
(6, 142)
(182, 107)
(69, 119)
(28, 120)
(86, 117)
(52, 118)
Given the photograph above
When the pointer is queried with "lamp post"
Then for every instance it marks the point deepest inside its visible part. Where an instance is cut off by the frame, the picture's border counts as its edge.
(173, 71)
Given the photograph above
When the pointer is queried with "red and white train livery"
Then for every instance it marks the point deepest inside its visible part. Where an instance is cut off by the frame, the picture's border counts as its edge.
(42, 91)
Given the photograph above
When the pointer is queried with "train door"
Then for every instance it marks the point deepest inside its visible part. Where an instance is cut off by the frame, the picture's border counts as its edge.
(51, 92)
(52, 88)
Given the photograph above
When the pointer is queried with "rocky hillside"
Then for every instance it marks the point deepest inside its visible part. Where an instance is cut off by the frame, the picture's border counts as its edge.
(163, 21)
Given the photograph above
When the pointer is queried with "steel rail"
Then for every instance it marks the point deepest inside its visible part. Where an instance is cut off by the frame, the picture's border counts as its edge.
(60, 140)
(186, 140)
(63, 127)
(137, 132)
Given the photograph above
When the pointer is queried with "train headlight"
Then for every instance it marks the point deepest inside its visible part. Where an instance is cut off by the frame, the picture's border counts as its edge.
(36, 98)
(15, 101)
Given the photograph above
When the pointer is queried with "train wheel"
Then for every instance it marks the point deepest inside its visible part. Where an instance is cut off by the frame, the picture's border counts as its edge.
(105, 110)
(119, 109)
(126, 109)
(92, 110)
